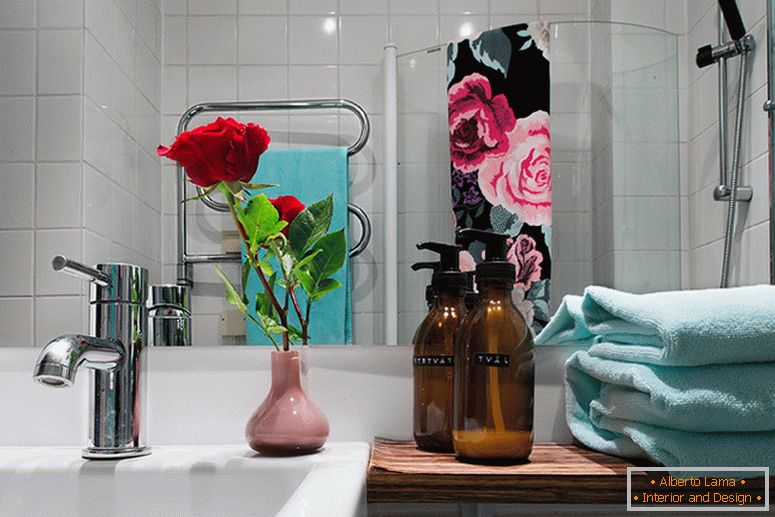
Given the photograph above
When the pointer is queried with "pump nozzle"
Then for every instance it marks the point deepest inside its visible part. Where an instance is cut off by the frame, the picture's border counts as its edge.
(495, 243)
(417, 266)
(430, 290)
(449, 254)
(446, 274)
(495, 268)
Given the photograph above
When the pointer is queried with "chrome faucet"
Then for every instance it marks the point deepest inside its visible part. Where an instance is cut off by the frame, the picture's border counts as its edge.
(119, 320)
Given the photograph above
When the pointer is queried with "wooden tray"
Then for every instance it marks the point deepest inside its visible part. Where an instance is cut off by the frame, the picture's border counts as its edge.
(562, 474)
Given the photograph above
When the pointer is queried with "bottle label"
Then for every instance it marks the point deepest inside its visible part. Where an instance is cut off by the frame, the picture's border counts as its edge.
(434, 360)
(494, 360)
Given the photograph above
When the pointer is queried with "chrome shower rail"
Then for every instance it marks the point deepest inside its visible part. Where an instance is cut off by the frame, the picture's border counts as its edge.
(186, 260)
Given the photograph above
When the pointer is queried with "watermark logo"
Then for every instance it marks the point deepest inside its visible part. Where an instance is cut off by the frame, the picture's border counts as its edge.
(698, 489)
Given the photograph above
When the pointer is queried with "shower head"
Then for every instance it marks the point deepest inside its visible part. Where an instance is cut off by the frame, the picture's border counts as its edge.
(741, 41)
(732, 18)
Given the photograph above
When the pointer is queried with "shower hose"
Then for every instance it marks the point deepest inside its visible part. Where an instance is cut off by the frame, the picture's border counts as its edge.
(734, 175)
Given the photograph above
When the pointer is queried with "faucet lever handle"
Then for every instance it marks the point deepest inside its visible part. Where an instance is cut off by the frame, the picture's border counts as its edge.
(78, 270)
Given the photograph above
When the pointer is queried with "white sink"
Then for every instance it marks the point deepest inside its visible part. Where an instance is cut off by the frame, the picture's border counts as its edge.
(181, 481)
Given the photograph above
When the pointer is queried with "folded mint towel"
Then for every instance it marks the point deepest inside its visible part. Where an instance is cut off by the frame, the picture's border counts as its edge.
(680, 328)
(567, 326)
(738, 397)
(622, 409)
(311, 174)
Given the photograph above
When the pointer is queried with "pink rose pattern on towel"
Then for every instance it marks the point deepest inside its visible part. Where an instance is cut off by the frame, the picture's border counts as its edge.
(521, 181)
(500, 151)
(478, 123)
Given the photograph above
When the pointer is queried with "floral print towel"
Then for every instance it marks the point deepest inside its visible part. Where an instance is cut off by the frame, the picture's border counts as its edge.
(498, 89)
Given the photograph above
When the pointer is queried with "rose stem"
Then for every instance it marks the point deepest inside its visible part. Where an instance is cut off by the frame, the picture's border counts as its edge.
(267, 288)
(290, 292)
(302, 321)
(305, 324)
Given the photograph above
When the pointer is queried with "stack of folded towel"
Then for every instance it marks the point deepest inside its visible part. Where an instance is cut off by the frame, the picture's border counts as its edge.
(686, 378)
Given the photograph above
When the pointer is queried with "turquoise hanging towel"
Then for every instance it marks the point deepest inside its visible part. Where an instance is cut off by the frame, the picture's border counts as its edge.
(311, 174)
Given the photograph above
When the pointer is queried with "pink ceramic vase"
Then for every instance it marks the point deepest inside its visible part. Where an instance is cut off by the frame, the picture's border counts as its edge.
(287, 422)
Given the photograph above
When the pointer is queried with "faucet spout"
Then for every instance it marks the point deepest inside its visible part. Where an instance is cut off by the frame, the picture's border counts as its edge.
(59, 361)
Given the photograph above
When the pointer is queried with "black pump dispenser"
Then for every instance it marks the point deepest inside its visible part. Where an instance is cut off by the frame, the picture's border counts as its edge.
(434, 349)
(495, 268)
(430, 289)
(447, 275)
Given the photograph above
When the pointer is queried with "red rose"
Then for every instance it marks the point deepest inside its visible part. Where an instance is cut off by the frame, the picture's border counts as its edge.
(224, 150)
(288, 207)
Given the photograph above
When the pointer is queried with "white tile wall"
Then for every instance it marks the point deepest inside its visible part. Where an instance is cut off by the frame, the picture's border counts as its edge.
(80, 97)
(58, 132)
(16, 326)
(59, 61)
(16, 250)
(17, 62)
(58, 195)
(17, 129)
(17, 197)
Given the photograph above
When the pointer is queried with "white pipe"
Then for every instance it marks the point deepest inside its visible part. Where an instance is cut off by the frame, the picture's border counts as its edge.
(390, 260)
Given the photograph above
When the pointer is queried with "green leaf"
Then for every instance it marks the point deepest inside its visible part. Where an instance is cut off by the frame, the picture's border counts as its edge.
(209, 190)
(285, 259)
(233, 298)
(306, 260)
(294, 333)
(235, 187)
(232, 295)
(263, 304)
(260, 220)
(269, 321)
(306, 281)
(325, 287)
(333, 250)
(246, 267)
(265, 266)
(310, 225)
(258, 186)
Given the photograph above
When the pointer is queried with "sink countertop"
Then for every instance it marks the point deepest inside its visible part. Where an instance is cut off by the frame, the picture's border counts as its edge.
(189, 480)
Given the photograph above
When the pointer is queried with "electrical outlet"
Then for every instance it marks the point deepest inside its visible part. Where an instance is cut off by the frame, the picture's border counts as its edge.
(232, 323)
(230, 242)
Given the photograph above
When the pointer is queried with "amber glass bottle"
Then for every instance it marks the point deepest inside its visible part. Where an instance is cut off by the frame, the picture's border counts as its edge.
(434, 348)
(494, 367)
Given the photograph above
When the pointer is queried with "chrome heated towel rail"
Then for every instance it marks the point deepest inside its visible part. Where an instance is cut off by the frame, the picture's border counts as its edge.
(186, 260)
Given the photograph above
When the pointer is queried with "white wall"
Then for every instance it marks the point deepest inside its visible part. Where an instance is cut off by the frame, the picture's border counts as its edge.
(706, 218)
(79, 118)
(253, 49)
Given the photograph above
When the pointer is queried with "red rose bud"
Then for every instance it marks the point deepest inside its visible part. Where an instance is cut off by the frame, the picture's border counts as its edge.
(288, 207)
(224, 150)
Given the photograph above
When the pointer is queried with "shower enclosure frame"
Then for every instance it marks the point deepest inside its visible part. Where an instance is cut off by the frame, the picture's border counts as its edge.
(769, 107)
